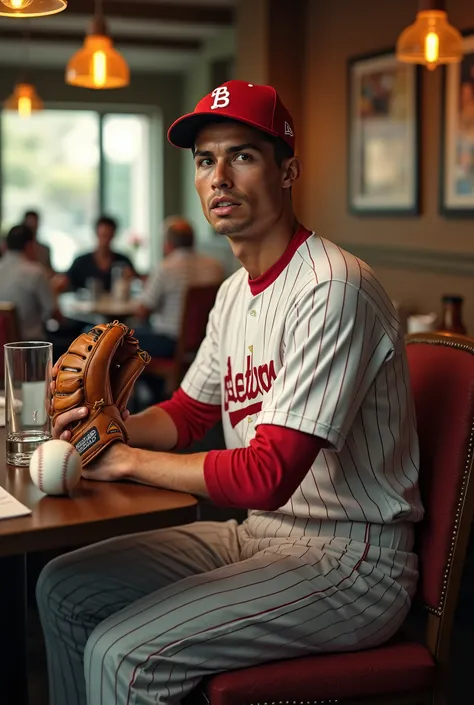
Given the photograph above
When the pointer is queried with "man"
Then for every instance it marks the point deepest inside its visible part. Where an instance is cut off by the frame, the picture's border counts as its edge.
(43, 252)
(24, 282)
(305, 363)
(163, 294)
(97, 264)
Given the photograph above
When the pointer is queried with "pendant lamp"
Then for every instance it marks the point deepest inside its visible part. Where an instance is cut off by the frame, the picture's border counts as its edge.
(98, 65)
(24, 100)
(431, 40)
(31, 8)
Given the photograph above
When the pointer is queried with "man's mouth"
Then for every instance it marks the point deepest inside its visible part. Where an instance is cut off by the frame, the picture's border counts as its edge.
(224, 207)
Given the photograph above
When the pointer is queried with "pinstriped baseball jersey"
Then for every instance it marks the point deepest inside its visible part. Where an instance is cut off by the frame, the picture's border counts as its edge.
(315, 345)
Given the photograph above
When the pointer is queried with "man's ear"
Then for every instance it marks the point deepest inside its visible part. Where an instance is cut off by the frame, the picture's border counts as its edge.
(291, 171)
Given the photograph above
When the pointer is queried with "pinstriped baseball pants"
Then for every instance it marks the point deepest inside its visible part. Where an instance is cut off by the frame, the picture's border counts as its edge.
(139, 620)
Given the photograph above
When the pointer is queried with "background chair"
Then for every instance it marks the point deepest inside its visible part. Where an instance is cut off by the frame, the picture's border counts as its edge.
(404, 671)
(198, 303)
(9, 329)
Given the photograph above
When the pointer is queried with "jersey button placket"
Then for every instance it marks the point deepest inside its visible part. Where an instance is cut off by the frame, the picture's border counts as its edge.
(252, 326)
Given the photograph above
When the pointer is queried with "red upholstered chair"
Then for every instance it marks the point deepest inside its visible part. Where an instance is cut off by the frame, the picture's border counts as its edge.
(198, 303)
(403, 671)
(9, 332)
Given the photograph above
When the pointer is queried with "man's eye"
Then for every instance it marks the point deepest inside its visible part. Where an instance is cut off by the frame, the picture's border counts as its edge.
(204, 162)
(244, 157)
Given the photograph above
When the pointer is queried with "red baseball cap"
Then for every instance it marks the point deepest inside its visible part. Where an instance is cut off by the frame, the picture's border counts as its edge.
(257, 106)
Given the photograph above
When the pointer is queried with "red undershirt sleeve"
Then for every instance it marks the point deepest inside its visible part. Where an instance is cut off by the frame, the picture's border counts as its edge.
(192, 418)
(265, 474)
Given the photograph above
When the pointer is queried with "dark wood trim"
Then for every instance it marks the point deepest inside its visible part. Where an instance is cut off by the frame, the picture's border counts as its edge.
(49, 37)
(425, 5)
(13, 661)
(134, 9)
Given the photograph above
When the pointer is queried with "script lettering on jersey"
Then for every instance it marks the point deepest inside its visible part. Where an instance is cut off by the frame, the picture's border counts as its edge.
(247, 386)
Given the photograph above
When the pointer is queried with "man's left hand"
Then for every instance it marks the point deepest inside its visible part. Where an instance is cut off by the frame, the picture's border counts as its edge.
(113, 464)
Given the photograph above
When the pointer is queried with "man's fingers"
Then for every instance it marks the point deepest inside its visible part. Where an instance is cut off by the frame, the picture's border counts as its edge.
(125, 414)
(66, 436)
(63, 421)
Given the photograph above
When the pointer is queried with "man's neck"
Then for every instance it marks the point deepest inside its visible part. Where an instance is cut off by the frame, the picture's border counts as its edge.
(258, 255)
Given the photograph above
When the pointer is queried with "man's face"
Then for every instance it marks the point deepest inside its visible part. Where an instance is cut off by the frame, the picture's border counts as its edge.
(32, 222)
(237, 179)
(105, 235)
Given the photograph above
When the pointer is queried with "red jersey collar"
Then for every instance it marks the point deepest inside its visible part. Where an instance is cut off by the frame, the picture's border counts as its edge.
(267, 278)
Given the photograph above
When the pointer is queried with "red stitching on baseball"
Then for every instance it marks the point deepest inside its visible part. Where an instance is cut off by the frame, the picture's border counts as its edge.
(40, 468)
(64, 472)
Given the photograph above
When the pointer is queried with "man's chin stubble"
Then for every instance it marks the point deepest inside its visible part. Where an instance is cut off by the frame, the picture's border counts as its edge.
(229, 229)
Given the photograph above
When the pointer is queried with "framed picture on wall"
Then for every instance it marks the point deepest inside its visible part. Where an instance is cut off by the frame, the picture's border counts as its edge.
(457, 136)
(383, 136)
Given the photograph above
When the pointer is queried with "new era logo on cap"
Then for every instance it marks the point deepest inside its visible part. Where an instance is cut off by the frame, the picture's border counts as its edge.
(257, 106)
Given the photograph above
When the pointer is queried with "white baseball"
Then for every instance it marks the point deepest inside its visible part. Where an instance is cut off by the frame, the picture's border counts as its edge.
(55, 467)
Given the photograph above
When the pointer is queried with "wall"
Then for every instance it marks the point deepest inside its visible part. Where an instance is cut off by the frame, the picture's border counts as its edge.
(419, 258)
(253, 40)
(198, 83)
(271, 51)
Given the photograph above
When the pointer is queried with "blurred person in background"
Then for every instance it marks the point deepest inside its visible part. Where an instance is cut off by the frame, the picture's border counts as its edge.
(43, 252)
(162, 299)
(96, 265)
(24, 282)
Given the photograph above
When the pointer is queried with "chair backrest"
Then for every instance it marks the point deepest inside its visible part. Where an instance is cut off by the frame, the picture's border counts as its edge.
(198, 303)
(9, 331)
(8, 317)
(442, 379)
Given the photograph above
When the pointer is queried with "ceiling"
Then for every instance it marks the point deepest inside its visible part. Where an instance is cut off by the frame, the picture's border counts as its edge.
(153, 35)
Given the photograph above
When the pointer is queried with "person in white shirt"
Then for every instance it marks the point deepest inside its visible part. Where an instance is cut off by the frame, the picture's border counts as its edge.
(163, 295)
(24, 282)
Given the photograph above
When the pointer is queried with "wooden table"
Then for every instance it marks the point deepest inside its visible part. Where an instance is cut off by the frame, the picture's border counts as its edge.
(95, 511)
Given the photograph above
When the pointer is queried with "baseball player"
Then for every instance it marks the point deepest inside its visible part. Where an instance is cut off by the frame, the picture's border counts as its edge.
(304, 362)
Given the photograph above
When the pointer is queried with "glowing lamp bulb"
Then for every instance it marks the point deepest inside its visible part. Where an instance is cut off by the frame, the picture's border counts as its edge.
(17, 4)
(432, 49)
(24, 106)
(99, 68)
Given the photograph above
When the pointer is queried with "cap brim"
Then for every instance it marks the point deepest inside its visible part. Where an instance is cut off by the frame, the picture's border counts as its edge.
(183, 131)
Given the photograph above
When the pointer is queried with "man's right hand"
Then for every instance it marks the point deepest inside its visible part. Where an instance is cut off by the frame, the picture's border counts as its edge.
(60, 428)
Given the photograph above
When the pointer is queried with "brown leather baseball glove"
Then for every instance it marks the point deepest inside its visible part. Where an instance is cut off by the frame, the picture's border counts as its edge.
(98, 371)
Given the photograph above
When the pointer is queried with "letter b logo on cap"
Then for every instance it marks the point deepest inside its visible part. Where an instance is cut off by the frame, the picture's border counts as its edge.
(221, 98)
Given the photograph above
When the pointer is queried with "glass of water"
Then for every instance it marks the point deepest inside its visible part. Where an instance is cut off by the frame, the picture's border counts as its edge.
(28, 368)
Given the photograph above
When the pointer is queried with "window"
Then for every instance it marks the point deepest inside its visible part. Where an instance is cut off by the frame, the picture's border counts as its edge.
(126, 176)
(71, 166)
